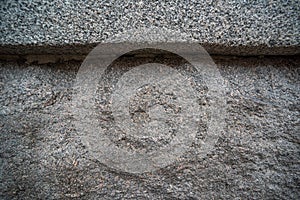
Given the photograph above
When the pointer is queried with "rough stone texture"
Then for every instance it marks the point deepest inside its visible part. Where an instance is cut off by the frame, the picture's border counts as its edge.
(229, 27)
(257, 157)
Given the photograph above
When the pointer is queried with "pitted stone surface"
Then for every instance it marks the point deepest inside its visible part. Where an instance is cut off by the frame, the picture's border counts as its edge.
(257, 157)
(260, 24)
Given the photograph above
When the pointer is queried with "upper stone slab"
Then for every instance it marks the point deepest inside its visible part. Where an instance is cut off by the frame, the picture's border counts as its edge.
(271, 26)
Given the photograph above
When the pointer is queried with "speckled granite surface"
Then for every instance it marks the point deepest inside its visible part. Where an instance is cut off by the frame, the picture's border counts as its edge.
(230, 27)
(257, 156)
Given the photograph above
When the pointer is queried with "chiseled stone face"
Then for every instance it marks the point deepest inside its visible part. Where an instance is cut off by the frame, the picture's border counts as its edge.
(256, 156)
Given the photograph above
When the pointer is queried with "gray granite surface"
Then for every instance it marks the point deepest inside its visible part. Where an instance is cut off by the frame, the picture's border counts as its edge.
(256, 157)
(223, 27)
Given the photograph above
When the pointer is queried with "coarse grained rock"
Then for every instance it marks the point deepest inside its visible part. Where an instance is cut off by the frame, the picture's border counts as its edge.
(229, 27)
(256, 157)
